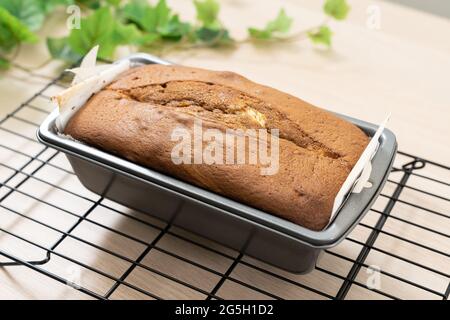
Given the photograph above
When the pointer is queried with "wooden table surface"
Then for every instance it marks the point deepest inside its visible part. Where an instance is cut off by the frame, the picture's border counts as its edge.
(403, 68)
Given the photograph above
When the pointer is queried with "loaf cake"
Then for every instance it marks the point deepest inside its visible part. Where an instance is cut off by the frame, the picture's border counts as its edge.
(135, 117)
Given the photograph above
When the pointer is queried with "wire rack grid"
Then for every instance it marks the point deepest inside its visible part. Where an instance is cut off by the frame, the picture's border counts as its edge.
(59, 240)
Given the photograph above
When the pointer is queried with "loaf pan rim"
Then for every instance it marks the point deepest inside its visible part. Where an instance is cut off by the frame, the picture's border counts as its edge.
(318, 239)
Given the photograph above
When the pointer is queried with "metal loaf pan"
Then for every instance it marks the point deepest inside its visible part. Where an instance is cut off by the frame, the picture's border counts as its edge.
(241, 227)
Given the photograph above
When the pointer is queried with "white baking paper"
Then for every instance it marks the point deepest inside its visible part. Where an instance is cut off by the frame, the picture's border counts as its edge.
(358, 179)
(88, 80)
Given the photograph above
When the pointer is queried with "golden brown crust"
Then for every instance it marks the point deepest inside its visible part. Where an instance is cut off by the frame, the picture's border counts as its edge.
(135, 116)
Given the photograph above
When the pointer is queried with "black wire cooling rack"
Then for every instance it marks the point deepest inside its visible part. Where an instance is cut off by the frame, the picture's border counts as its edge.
(403, 241)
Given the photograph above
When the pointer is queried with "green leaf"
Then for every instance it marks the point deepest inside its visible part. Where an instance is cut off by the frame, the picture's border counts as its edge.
(114, 3)
(259, 34)
(4, 64)
(174, 29)
(338, 9)
(59, 48)
(207, 13)
(49, 5)
(96, 4)
(148, 18)
(29, 12)
(321, 36)
(280, 25)
(162, 13)
(142, 14)
(91, 4)
(126, 34)
(213, 36)
(96, 29)
(12, 31)
(170, 26)
(147, 39)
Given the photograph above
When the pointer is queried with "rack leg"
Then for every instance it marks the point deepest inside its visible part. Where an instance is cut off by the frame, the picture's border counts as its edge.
(35, 262)
(407, 169)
